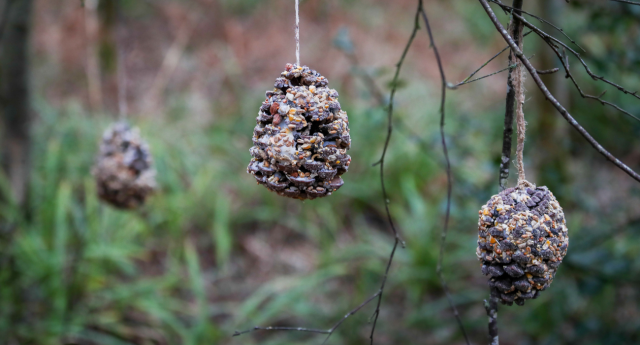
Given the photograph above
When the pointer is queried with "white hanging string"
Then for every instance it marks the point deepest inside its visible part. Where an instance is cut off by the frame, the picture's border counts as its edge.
(297, 34)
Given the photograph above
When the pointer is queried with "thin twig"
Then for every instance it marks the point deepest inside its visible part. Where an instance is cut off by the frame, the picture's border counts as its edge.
(454, 87)
(449, 180)
(329, 332)
(353, 311)
(569, 75)
(542, 20)
(481, 67)
(548, 71)
(549, 96)
(394, 83)
(491, 307)
(467, 81)
(564, 59)
(376, 313)
(565, 62)
(479, 78)
(298, 329)
(594, 76)
(627, 2)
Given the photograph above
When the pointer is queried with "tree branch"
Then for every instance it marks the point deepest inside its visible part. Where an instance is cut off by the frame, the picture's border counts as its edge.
(627, 2)
(549, 96)
(565, 65)
(449, 180)
(594, 76)
(519, 11)
(416, 27)
(548, 71)
(550, 40)
(491, 307)
(467, 81)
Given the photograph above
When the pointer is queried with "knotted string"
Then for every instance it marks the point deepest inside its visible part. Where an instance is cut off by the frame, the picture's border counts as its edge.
(521, 124)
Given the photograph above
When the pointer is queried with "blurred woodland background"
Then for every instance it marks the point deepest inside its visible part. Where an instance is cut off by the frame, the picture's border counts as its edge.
(212, 252)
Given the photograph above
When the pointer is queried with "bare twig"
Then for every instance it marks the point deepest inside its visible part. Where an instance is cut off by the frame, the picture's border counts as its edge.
(491, 307)
(549, 96)
(548, 71)
(550, 40)
(328, 332)
(455, 87)
(449, 180)
(569, 75)
(394, 86)
(467, 81)
(627, 2)
(505, 7)
(297, 329)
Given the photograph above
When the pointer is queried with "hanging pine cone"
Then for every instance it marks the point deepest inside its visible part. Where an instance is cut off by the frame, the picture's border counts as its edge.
(123, 171)
(522, 239)
(302, 137)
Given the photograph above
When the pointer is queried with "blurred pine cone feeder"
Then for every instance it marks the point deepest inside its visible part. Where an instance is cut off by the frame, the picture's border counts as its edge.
(123, 170)
(522, 239)
(302, 137)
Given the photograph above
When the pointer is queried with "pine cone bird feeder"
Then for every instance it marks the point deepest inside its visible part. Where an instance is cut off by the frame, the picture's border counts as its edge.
(123, 171)
(301, 137)
(522, 239)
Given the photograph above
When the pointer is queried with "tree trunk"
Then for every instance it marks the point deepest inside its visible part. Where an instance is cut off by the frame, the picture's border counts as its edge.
(15, 107)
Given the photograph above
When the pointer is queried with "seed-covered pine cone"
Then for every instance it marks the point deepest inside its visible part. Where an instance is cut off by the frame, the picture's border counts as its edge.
(302, 137)
(522, 239)
(123, 170)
